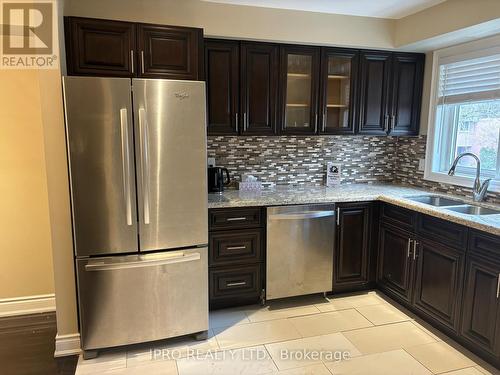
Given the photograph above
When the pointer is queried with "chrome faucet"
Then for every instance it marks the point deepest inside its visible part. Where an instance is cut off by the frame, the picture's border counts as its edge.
(478, 190)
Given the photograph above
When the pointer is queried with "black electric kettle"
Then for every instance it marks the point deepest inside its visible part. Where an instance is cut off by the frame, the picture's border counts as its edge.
(216, 181)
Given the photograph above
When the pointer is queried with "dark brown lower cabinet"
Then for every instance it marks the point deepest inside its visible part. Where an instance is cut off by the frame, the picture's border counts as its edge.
(352, 253)
(438, 282)
(395, 268)
(481, 307)
(235, 285)
(236, 253)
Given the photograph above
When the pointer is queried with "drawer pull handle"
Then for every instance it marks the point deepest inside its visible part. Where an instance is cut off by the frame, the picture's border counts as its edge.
(236, 247)
(238, 283)
(236, 218)
(498, 286)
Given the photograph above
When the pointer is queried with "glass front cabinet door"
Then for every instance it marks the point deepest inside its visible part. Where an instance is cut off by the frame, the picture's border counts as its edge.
(299, 88)
(338, 85)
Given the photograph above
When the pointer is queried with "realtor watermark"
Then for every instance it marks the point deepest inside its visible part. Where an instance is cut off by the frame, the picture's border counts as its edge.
(29, 34)
(250, 354)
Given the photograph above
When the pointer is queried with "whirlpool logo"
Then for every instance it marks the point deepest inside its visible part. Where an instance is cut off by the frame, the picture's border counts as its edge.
(28, 34)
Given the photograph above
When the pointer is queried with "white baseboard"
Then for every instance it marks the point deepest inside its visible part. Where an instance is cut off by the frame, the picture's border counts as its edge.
(67, 345)
(27, 305)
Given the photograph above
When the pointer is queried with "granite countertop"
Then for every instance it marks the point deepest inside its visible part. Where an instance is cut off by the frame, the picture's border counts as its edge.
(394, 194)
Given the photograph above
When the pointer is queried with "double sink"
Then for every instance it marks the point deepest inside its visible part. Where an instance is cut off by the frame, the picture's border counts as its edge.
(454, 205)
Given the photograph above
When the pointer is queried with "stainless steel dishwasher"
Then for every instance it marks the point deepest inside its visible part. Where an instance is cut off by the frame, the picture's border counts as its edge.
(300, 243)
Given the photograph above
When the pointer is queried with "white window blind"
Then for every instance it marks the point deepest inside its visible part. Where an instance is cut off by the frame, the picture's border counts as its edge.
(469, 80)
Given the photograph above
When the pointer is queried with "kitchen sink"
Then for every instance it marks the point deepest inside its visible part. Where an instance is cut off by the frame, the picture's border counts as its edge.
(473, 210)
(436, 201)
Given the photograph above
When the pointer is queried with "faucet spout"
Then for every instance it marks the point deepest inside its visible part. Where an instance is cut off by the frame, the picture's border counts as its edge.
(478, 190)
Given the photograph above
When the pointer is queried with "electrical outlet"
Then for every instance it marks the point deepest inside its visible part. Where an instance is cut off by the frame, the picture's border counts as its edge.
(211, 162)
(421, 164)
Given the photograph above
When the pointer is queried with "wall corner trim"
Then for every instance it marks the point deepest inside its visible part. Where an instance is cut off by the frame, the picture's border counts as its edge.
(67, 345)
(27, 305)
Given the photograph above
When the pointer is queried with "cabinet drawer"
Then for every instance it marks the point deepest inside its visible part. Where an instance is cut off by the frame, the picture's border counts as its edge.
(235, 218)
(235, 283)
(403, 218)
(235, 247)
(484, 244)
(442, 231)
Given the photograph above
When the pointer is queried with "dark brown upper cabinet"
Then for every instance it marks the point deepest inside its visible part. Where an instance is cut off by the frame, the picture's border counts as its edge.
(375, 73)
(170, 51)
(299, 88)
(338, 84)
(100, 47)
(352, 252)
(406, 100)
(390, 93)
(222, 80)
(259, 88)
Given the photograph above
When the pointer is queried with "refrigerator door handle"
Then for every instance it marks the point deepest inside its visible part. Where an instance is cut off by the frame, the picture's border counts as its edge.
(144, 141)
(143, 262)
(126, 164)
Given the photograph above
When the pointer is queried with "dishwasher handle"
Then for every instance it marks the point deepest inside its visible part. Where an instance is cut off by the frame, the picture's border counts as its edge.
(144, 262)
(302, 215)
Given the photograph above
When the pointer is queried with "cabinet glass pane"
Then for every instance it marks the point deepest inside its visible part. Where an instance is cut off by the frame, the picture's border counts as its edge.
(298, 91)
(338, 92)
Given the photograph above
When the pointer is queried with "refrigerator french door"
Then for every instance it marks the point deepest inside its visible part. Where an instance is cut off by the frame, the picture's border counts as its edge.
(137, 158)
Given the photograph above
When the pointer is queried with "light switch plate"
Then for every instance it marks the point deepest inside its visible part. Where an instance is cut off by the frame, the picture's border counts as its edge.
(211, 162)
(421, 164)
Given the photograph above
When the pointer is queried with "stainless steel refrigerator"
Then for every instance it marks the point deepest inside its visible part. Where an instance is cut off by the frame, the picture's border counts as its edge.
(137, 154)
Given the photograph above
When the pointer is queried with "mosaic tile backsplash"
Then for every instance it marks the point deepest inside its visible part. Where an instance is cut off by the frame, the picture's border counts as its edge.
(301, 160)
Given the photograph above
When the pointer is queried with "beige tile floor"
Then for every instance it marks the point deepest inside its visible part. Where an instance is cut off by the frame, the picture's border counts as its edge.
(358, 334)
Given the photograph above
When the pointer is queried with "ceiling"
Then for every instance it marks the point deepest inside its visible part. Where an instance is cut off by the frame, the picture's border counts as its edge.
(369, 8)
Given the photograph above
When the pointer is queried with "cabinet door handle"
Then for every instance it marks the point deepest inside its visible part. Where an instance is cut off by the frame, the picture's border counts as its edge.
(386, 123)
(236, 247)
(237, 115)
(236, 218)
(245, 120)
(323, 124)
(415, 244)
(338, 216)
(408, 249)
(393, 121)
(142, 62)
(316, 121)
(132, 61)
(498, 286)
(237, 283)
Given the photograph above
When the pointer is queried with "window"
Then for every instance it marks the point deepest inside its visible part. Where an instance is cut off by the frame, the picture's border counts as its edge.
(466, 117)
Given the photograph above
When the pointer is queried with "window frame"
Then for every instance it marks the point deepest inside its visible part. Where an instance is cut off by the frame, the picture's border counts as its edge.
(434, 155)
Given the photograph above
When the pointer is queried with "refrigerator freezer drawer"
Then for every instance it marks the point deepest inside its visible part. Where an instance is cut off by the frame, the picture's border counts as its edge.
(138, 298)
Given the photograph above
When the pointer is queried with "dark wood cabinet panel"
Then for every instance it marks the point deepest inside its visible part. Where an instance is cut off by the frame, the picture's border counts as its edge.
(100, 47)
(352, 253)
(375, 69)
(442, 231)
(235, 218)
(299, 89)
(399, 216)
(235, 247)
(222, 80)
(407, 82)
(170, 52)
(338, 90)
(395, 268)
(485, 244)
(438, 282)
(230, 286)
(481, 306)
(259, 88)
